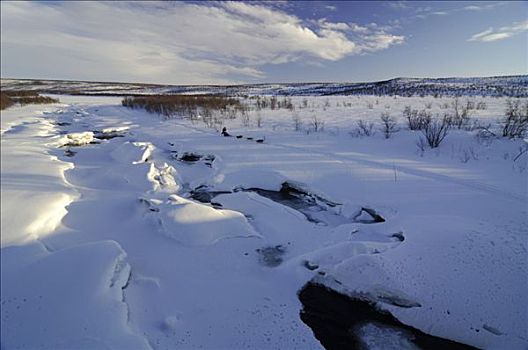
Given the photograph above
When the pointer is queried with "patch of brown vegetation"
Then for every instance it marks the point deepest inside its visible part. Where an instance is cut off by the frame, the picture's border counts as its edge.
(21, 93)
(23, 97)
(182, 104)
(5, 101)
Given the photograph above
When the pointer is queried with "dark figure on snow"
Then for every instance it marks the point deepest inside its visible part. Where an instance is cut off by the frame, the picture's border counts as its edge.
(224, 132)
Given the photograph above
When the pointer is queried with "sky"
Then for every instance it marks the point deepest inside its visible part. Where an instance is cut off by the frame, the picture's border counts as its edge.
(199, 42)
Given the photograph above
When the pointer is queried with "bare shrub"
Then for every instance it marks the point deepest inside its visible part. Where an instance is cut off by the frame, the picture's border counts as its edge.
(416, 120)
(354, 133)
(515, 121)
(481, 105)
(470, 105)
(421, 144)
(317, 124)
(218, 120)
(273, 102)
(429, 105)
(435, 131)
(231, 112)
(288, 104)
(365, 128)
(424, 118)
(464, 157)
(520, 166)
(460, 116)
(370, 105)
(522, 150)
(244, 116)
(444, 105)
(472, 152)
(262, 102)
(207, 117)
(259, 119)
(410, 115)
(258, 107)
(193, 115)
(467, 153)
(484, 135)
(297, 122)
(389, 125)
(473, 124)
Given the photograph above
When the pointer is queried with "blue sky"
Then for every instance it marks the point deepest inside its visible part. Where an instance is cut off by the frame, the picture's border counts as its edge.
(262, 41)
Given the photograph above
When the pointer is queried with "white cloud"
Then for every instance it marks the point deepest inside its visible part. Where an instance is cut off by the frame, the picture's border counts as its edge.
(483, 7)
(398, 5)
(368, 38)
(380, 41)
(333, 26)
(490, 34)
(473, 8)
(424, 12)
(172, 42)
(357, 28)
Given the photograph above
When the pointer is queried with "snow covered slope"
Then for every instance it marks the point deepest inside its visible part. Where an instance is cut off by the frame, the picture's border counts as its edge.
(122, 230)
(513, 86)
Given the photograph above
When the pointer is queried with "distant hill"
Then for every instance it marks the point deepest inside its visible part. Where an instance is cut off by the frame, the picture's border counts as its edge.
(512, 86)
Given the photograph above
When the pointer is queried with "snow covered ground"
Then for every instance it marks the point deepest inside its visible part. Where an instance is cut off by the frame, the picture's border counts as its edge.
(104, 244)
(514, 85)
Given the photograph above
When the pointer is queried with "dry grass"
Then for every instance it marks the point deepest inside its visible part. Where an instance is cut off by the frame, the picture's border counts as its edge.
(21, 93)
(5, 101)
(169, 105)
(23, 97)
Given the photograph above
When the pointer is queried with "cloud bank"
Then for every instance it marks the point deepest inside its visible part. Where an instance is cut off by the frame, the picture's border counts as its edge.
(501, 33)
(181, 43)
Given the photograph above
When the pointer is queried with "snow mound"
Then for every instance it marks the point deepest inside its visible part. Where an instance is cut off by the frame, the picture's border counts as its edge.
(163, 178)
(326, 258)
(371, 281)
(76, 139)
(194, 224)
(80, 304)
(115, 129)
(469, 248)
(133, 152)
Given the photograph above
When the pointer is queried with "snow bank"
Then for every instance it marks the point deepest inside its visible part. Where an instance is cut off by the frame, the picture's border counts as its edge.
(34, 189)
(73, 298)
(450, 267)
(163, 178)
(76, 139)
(133, 152)
(115, 129)
(195, 224)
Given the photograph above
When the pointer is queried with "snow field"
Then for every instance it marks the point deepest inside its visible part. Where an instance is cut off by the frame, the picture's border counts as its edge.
(130, 260)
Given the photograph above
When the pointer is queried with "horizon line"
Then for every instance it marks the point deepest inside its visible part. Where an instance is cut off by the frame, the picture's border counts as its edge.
(263, 83)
